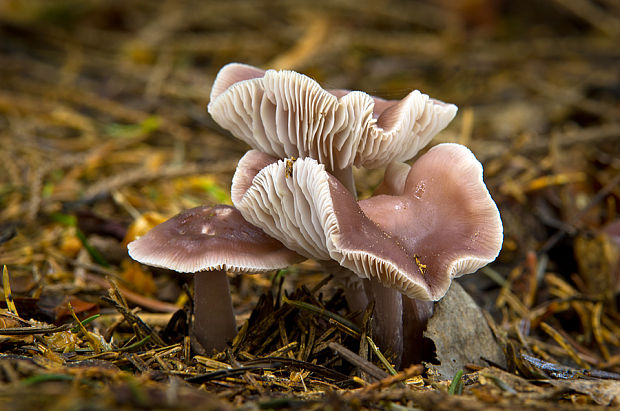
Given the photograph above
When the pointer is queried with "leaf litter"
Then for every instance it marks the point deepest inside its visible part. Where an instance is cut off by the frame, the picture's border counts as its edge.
(103, 134)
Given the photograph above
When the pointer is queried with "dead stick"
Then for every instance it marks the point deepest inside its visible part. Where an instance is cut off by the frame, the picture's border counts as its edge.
(358, 361)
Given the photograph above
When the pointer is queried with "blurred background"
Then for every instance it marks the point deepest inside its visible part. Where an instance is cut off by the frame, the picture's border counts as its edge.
(106, 97)
(104, 133)
(103, 119)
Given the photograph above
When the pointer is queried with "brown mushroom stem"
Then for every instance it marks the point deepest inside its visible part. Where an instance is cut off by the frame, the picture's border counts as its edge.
(214, 320)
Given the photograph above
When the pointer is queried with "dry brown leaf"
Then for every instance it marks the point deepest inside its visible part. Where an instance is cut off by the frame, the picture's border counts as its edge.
(461, 334)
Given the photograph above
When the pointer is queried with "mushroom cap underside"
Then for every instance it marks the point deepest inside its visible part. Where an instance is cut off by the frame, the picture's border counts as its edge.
(416, 246)
(287, 114)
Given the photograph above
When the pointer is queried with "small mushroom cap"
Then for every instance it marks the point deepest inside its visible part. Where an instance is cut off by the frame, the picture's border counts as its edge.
(287, 114)
(416, 246)
(211, 238)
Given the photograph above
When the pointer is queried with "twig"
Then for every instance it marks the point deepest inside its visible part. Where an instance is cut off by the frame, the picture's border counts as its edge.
(34, 330)
(409, 372)
(358, 361)
(133, 319)
(231, 372)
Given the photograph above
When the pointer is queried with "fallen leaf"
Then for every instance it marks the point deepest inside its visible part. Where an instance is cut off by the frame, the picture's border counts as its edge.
(461, 334)
(141, 225)
(602, 392)
(137, 278)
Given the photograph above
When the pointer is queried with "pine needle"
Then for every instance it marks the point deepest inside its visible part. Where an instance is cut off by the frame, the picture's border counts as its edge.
(8, 297)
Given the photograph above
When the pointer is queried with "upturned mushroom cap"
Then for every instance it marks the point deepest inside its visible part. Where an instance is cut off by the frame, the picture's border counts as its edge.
(287, 114)
(457, 227)
(445, 224)
(210, 238)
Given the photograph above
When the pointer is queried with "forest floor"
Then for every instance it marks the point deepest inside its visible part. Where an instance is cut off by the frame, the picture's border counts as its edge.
(104, 133)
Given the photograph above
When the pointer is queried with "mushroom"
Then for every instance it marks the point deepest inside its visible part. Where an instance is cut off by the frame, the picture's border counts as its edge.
(436, 224)
(287, 114)
(208, 241)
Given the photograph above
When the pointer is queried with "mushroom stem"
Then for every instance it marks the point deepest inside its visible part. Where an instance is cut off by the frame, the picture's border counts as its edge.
(387, 320)
(352, 285)
(399, 323)
(416, 314)
(345, 176)
(214, 320)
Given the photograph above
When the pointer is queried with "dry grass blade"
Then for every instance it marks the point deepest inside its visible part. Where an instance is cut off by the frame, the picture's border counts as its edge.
(380, 355)
(8, 297)
(231, 372)
(597, 329)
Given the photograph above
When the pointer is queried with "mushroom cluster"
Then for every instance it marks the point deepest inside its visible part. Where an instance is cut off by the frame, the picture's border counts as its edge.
(435, 222)
(424, 225)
